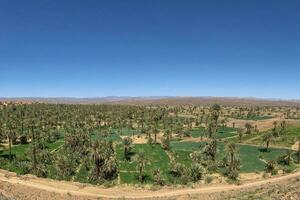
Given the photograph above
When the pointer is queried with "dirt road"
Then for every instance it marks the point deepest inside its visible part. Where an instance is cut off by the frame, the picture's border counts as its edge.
(30, 187)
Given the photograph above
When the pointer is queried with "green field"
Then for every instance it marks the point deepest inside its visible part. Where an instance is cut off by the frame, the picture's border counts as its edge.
(252, 157)
(157, 158)
(287, 139)
(222, 132)
(253, 117)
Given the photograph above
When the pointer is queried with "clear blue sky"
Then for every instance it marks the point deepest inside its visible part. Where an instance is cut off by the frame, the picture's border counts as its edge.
(90, 48)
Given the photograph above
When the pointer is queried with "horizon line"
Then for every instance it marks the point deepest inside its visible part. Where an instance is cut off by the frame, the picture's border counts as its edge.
(158, 96)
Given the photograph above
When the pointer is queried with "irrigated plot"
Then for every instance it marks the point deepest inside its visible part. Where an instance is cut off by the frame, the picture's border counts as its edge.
(156, 156)
(222, 132)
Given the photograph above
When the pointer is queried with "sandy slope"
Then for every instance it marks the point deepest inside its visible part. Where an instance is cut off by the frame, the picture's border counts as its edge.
(30, 187)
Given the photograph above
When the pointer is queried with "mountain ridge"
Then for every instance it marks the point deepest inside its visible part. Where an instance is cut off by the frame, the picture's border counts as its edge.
(159, 100)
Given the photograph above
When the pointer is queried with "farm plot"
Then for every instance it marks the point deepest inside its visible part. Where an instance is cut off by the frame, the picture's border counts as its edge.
(252, 158)
(253, 117)
(222, 132)
(157, 158)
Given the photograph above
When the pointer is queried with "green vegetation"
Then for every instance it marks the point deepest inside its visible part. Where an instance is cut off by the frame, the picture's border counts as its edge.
(253, 158)
(286, 139)
(111, 144)
(254, 117)
(158, 159)
(222, 132)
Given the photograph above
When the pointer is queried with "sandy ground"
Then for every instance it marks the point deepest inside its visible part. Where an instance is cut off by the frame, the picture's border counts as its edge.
(295, 146)
(143, 139)
(30, 187)
(262, 125)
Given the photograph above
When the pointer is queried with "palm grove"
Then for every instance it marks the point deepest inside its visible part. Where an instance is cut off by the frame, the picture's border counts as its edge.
(62, 141)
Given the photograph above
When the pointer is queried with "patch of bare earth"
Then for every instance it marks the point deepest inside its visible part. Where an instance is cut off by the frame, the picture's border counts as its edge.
(143, 139)
(295, 146)
(262, 125)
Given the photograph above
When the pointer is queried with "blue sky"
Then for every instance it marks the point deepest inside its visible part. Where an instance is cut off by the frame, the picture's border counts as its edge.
(91, 48)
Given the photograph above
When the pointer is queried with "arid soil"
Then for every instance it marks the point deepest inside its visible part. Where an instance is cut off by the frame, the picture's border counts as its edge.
(288, 189)
(30, 187)
(262, 125)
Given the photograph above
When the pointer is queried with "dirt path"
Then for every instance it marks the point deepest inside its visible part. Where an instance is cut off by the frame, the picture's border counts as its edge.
(85, 191)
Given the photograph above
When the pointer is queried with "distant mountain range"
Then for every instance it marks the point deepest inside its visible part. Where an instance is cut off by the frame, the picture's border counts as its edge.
(72, 100)
(160, 100)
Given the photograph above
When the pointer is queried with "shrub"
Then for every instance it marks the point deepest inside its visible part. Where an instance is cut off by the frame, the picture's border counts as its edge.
(24, 167)
(209, 179)
(270, 166)
(233, 174)
(157, 176)
(287, 170)
(178, 170)
(196, 172)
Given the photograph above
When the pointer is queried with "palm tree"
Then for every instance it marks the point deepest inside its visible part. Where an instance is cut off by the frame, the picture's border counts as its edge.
(270, 166)
(157, 176)
(282, 127)
(210, 129)
(267, 139)
(240, 134)
(287, 158)
(196, 172)
(10, 129)
(166, 141)
(141, 164)
(127, 141)
(211, 149)
(248, 128)
(231, 150)
(105, 166)
(215, 111)
(155, 131)
(232, 160)
(32, 126)
(298, 149)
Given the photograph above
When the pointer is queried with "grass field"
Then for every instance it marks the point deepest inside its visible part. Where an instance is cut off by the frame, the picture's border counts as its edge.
(253, 117)
(222, 132)
(20, 153)
(252, 158)
(157, 158)
(287, 139)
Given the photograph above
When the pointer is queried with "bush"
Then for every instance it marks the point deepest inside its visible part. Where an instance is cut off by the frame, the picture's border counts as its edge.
(178, 170)
(24, 167)
(23, 139)
(157, 176)
(212, 166)
(185, 178)
(196, 172)
(265, 175)
(270, 166)
(233, 175)
(166, 143)
(209, 179)
(287, 170)
(274, 172)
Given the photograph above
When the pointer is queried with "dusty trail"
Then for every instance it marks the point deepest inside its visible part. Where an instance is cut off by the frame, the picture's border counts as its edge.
(85, 191)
